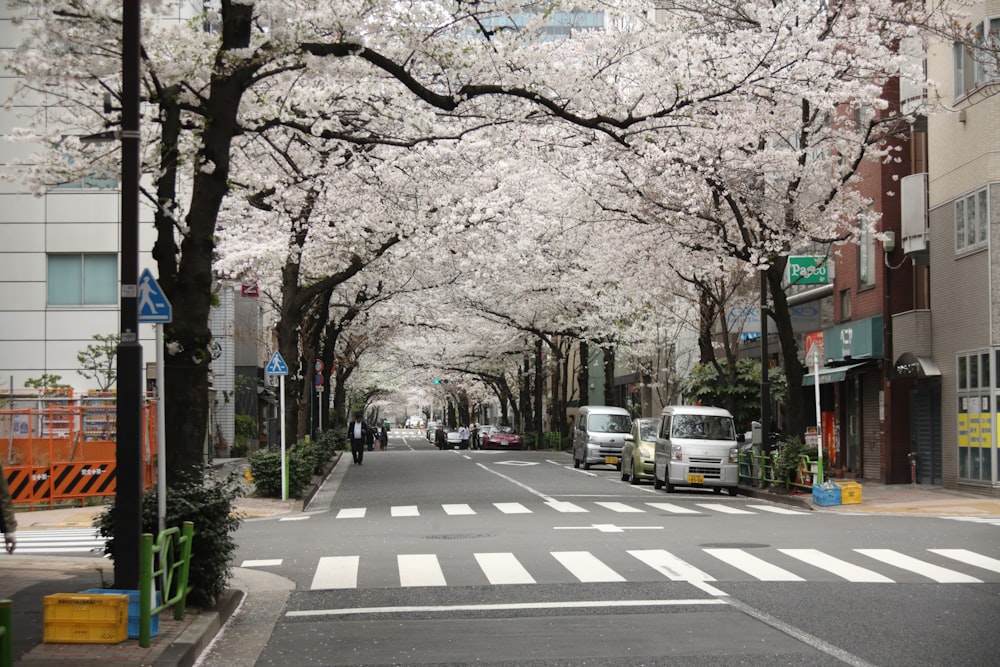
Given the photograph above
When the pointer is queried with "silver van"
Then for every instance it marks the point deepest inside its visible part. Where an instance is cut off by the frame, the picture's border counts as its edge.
(696, 446)
(599, 435)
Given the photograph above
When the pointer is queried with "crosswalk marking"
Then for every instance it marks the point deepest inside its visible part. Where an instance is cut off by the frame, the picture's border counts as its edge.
(970, 557)
(419, 570)
(60, 541)
(725, 509)
(752, 565)
(503, 568)
(839, 567)
(512, 508)
(586, 567)
(457, 510)
(263, 562)
(336, 572)
(942, 575)
(404, 510)
(564, 506)
(778, 509)
(670, 566)
(351, 513)
(506, 568)
(620, 507)
(673, 509)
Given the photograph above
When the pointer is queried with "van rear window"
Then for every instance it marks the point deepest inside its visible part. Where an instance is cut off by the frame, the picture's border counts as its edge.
(610, 423)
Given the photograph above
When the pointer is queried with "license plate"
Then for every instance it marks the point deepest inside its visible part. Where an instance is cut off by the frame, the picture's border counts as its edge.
(611, 460)
(696, 479)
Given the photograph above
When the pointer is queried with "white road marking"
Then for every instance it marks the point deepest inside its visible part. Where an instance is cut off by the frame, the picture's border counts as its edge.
(457, 510)
(670, 565)
(725, 509)
(621, 508)
(564, 506)
(752, 565)
(586, 567)
(575, 604)
(404, 510)
(336, 572)
(777, 509)
(512, 508)
(673, 509)
(942, 575)
(420, 570)
(266, 562)
(352, 513)
(969, 557)
(503, 568)
(841, 568)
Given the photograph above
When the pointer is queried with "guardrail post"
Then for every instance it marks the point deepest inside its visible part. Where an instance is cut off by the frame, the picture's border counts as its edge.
(6, 633)
(182, 583)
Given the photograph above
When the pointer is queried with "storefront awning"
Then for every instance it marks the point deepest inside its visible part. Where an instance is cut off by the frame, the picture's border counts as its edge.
(911, 366)
(828, 375)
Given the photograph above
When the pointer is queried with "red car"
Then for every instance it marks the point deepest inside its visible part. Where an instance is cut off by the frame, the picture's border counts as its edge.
(502, 437)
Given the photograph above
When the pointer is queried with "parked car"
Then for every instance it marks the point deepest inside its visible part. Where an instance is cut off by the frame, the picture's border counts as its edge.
(697, 446)
(637, 454)
(454, 440)
(501, 437)
(431, 428)
(599, 435)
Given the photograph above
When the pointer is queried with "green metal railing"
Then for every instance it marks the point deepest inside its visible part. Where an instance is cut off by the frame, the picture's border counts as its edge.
(759, 469)
(6, 634)
(174, 549)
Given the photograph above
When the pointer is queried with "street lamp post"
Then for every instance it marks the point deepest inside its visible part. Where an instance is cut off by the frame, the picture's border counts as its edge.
(128, 446)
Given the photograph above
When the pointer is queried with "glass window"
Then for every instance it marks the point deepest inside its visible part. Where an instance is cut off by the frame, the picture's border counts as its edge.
(975, 417)
(960, 224)
(845, 304)
(866, 259)
(984, 370)
(82, 279)
(983, 215)
(972, 221)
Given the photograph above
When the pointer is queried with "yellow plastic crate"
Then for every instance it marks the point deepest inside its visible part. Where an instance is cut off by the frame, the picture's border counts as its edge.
(72, 618)
(850, 493)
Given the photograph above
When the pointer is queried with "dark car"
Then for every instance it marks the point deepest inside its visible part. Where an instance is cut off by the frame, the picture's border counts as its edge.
(502, 437)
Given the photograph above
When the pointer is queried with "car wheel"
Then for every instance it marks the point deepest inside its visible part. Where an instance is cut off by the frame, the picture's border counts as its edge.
(635, 478)
(733, 490)
(716, 490)
(657, 484)
(586, 466)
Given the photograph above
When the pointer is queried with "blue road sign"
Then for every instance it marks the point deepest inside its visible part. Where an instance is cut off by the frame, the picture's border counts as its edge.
(153, 304)
(277, 365)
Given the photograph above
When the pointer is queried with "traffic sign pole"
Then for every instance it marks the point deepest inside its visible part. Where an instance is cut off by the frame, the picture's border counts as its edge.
(284, 469)
(161, 434)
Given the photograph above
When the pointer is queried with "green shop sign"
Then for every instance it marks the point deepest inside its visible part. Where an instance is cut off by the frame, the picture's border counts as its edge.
(808, 270)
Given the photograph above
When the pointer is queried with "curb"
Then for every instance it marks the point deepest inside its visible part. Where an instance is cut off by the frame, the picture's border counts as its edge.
(801, 502)
(185, 651)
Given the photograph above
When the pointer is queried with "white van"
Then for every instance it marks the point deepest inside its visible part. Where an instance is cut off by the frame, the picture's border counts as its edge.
(696, 446)
(599, 435)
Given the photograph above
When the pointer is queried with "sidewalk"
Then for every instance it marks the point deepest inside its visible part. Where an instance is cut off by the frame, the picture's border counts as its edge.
(256, 601)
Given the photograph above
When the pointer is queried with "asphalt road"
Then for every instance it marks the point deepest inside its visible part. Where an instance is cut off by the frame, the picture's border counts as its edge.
(515, 558)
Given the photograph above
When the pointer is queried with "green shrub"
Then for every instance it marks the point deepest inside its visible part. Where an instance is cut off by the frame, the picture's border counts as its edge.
(787, 459)
(265, 467)
(305, 460)
(246, 432)
(208, 504)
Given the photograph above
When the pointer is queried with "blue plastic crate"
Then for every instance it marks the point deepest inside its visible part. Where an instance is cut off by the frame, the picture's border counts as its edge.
(825, 496)
(133, 610)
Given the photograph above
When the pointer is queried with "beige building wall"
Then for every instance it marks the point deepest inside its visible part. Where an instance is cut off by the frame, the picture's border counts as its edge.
(963, 156)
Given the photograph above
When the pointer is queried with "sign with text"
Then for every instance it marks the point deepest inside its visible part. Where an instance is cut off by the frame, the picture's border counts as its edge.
(808, 270)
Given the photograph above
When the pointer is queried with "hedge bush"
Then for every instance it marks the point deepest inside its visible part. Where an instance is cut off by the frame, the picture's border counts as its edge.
(207, 503)
(305, 460)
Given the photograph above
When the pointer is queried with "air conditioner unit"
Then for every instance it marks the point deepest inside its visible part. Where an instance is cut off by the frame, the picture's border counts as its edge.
(913, 195)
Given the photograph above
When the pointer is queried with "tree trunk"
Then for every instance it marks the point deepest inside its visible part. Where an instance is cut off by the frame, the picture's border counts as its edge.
(795, 399)
(583, 376)
(188, 283)
(610, 396)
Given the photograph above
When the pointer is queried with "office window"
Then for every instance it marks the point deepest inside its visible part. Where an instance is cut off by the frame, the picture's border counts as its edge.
(975, 418)
(82, 279)
(972, 221)
(845, 304)
(977, 66)
(866, 259)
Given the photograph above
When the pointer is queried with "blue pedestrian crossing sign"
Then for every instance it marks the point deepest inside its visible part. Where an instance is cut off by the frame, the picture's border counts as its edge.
(277, 365)
(153, 304)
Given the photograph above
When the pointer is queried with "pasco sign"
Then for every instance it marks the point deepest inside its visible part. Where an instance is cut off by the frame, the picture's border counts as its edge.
(808, 270)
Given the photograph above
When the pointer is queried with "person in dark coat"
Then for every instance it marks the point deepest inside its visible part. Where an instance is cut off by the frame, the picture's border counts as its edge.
(383, 438)
(358, 434)
(440, 438)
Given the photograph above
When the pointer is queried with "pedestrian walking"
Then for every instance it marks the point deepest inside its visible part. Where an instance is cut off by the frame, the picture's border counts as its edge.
(358, 434)
(370, 439)
(474, 441)
(440, 439)
(383, 438)
(463, 435)
(8, 520)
